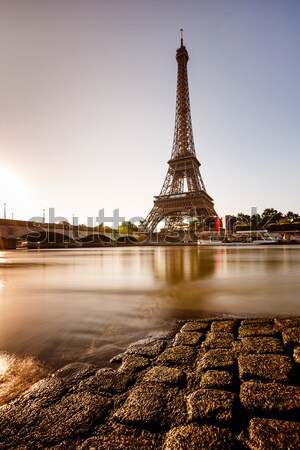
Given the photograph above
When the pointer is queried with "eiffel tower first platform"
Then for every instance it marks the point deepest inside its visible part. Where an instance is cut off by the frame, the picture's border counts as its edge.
(183, 194)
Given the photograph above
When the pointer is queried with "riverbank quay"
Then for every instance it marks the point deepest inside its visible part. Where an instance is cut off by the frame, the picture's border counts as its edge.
(214, 383)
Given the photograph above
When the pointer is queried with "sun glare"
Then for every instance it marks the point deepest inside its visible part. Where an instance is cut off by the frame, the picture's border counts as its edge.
(4, 363)
(13, 190)
(8, 179)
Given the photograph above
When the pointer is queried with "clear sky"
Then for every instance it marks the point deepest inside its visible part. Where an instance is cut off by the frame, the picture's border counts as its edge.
(87, 103)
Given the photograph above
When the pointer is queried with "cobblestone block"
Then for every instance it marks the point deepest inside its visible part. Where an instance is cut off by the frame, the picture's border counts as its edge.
(75, 372)
(196, 437)
(133, 364)
(272, 434)
(217, 379)
(265, 367)
(258, 344)
(257, 320)
(71, 416)
(147, 347)
(297, 355)
(223, 325)
(210, 405)
(37, 427)
(266, 398)
(257, 329)
(291, 337)
(180, 355)
(106, 380)
(290, 322)
(179, 398)
(191, 338)
(43, 394)
(145, 405)
(195, 326)
(116, 436)
(217, 359)
(218, 340)
(175, 413)
(165, 375)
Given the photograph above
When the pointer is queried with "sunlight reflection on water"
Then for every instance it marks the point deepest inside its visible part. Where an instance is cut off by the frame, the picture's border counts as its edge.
(88, 304)
(17, 374)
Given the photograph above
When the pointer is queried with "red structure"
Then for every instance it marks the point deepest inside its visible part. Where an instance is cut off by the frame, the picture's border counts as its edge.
(183, 194)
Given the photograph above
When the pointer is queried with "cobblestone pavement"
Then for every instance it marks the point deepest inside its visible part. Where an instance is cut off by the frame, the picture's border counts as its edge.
(215, 384)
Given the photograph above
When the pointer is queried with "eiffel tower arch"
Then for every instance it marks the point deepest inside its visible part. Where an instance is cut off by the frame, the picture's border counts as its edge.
(183, 193)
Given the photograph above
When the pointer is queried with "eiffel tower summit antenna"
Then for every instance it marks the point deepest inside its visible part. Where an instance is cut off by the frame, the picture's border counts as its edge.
(183, 193)
(181, 36)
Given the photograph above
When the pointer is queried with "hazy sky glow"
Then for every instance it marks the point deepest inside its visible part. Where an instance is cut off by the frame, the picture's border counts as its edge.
(87, 103)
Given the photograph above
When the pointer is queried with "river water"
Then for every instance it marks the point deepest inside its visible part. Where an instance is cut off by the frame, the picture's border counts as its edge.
(88, 304)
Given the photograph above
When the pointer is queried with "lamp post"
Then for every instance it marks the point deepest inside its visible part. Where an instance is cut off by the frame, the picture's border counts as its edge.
(4, 210)
(43, 216)
(12, 216)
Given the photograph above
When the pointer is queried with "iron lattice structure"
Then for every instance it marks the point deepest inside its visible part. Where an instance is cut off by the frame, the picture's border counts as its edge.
(183, 193)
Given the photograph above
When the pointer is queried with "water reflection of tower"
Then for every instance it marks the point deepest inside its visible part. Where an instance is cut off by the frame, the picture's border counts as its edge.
(180, 264)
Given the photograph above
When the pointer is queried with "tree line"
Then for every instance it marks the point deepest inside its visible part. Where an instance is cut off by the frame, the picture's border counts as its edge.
(270, 219)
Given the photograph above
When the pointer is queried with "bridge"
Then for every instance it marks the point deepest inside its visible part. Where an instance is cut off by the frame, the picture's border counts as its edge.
(53, 235)
(62, 235)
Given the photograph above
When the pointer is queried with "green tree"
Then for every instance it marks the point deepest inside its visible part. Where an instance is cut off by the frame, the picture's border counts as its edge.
(292, 217)
(194, 225)
(270, 215)
(99, 227)
(269, 212)
(243, 218)
(127, 228)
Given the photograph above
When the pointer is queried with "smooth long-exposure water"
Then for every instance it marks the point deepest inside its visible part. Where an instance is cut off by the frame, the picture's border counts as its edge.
(88, 304)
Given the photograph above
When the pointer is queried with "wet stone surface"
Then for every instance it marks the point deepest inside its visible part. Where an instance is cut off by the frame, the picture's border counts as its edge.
(217, 359)
(132, 364)
(216, 384)
(147, 347)
(210, 405)
(289, 322)
(166, 375)
(220, 339)
(106, 380)
(218, 379)
(195, 437)
(195, 326)
(270, 398)
(258, 320)
(145, 405)
(225, 325)
(258, 344)
(297, 355)
(257, 329)
(180, 355)
(291, 337)
(116, 436)
(266, 367)
(191, 338)
(272, 434)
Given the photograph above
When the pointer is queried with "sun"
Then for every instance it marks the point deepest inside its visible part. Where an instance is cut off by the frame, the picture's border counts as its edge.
(9, 183)
(13, 187)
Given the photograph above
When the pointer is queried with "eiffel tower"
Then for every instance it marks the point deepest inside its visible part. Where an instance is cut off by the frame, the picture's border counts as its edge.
(183, 194)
